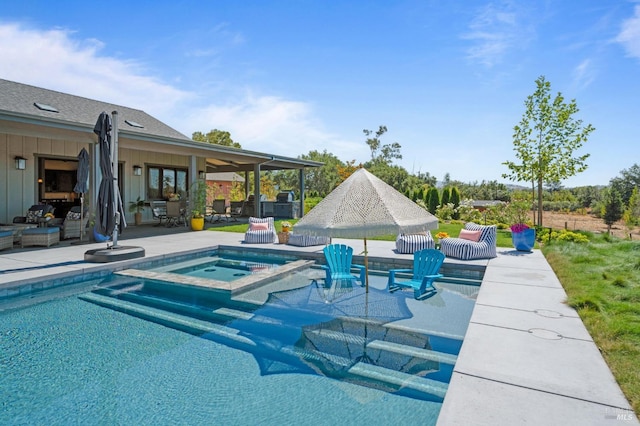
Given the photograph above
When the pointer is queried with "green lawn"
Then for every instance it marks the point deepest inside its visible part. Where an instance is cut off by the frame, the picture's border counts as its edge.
(602, 281)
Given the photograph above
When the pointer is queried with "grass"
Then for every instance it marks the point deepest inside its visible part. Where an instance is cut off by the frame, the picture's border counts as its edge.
(602, 281)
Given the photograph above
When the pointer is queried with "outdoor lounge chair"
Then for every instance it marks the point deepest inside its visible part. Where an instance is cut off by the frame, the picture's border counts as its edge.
(475, 242)
(34, 214)
(338, 267)
(74, 223)
(426, 264)
(261, 231)
(219, 211)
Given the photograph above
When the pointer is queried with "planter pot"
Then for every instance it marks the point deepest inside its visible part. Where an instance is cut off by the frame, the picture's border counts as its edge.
(197, 223)
(137, 218)
(525, 240)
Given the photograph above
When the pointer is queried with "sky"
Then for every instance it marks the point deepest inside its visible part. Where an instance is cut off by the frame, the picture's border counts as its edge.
(447, 78)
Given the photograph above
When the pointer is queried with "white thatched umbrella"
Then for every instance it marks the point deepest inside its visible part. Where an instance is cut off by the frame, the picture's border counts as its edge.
(364, 206)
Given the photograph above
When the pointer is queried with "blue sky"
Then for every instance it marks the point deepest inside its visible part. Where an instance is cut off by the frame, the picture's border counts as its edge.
(448, 78)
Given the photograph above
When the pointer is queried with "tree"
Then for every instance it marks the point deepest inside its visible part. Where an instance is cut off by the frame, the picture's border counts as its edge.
(446, 195)
(545, 140)
(629, 179)
(381, 153)
(455, 200)
(433, 200)
(613, 208)
(217, 137)
(632, 212)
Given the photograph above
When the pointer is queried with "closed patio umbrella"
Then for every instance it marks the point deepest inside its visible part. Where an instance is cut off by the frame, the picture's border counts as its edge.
(364, 206)
(109, 211)
(82, 182)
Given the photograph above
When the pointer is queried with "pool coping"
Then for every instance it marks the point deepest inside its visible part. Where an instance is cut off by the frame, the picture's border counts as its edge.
(526, 358)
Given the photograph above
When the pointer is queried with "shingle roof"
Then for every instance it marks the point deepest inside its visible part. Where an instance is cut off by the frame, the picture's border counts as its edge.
(17, 99)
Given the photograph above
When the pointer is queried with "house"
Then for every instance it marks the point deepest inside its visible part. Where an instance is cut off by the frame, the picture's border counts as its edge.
(222, 184)
(42, 132)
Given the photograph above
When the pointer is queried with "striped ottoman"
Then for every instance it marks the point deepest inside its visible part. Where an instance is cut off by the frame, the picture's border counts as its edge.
(410, 243)
(307, 240)
(40, 236)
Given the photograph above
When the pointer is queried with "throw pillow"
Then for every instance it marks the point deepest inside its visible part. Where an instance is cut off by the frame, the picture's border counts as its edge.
(259, 226)
(465, 234)
(33, 216)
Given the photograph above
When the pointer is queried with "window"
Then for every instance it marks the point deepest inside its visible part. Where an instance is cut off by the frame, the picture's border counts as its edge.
(163, 182)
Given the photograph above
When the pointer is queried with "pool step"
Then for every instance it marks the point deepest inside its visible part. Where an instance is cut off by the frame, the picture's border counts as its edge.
(402, 380)
(276, 350)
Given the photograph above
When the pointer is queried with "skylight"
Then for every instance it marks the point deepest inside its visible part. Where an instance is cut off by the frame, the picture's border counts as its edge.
(134, 124)
(45, 107)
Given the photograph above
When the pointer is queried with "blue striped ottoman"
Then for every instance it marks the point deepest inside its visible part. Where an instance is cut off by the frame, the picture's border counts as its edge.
(307, 240)
(410, 243)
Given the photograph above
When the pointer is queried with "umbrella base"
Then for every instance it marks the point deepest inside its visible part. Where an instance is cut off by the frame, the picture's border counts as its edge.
(113, 254)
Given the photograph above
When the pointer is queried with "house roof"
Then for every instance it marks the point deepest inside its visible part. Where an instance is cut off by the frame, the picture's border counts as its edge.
(25, 110)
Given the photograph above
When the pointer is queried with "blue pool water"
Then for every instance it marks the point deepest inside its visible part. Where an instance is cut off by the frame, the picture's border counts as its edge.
(124, 354)
(222, 269)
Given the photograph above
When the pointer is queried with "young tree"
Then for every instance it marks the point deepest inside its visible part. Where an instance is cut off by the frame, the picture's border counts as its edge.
(546, 139)
(613, 208)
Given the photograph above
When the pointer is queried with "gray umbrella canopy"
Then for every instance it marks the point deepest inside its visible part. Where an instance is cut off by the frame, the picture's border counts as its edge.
(82, 182)
(82, 177)
(109, 201)
(364, 206)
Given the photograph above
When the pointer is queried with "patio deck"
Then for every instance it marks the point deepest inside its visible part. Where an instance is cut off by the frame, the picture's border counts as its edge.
(527, 357)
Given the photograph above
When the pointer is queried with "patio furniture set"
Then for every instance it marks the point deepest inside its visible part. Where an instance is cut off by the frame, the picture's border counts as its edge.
(37, 228)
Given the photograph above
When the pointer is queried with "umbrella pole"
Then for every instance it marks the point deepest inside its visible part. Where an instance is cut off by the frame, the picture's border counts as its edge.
(366, 267)
(81, 215)
(114, 166)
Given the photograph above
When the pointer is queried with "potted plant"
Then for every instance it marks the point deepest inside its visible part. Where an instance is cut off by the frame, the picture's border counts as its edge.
(137, 207)
(523, 237)
(197, 203)
(286, 226)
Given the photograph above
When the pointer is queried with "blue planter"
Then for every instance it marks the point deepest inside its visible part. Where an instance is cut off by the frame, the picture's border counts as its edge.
(525, 240)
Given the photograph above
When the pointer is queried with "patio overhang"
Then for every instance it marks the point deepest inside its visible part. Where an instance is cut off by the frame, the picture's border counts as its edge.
(218, 158)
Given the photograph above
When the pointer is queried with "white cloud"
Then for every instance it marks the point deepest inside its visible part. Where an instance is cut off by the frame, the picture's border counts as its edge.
(271, 124)
(629, 35)
(494, 32)
(583, 74)
(53, 59)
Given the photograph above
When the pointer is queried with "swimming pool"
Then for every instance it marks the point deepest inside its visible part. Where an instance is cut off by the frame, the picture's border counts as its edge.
(147, 359)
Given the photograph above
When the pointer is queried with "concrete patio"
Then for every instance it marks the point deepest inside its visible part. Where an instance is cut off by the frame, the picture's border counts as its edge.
(527, 357)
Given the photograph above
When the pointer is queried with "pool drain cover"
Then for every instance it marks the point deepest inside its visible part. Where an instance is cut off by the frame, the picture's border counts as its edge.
(545, 334)
(210, 270)
(239, 274)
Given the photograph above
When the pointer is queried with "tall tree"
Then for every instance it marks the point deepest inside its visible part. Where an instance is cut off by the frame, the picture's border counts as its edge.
(215, 136)
(545, 141)
(381, 153)
(455, 200)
